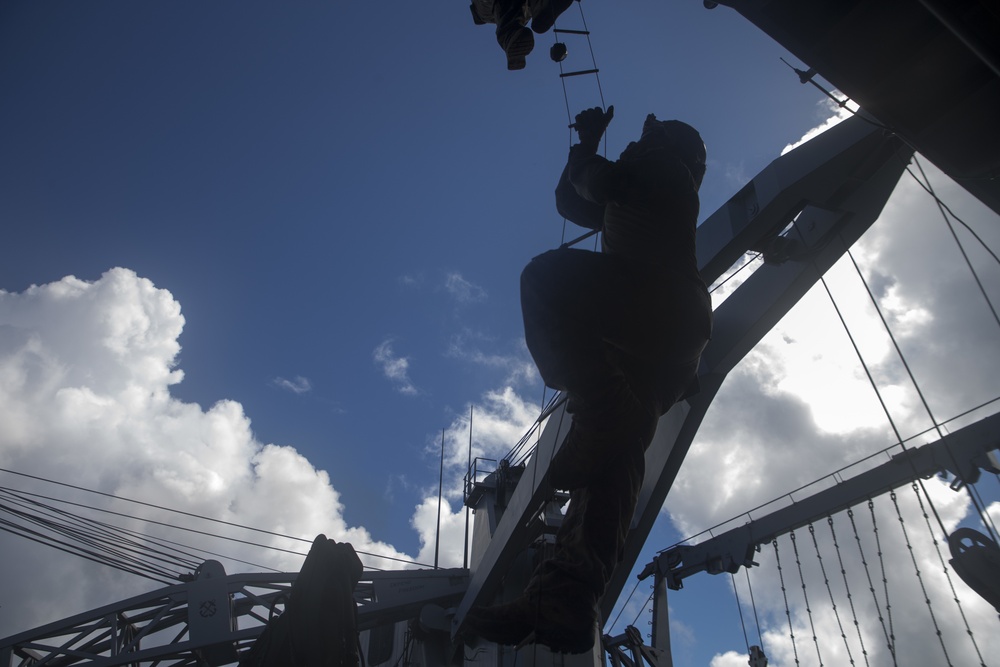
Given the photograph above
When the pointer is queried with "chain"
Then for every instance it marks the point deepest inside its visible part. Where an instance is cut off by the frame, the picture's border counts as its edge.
(805, 597)
(916, 568)
(871, 585)
(850, 598)
(829, 591)
(885, 583)
(784, 594)
(944, 567)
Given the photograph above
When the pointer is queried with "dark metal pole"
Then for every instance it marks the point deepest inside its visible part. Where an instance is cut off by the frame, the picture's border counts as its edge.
(468, 481)
(437, 540)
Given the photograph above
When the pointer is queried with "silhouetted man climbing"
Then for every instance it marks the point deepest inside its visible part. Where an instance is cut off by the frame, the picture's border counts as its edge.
(511, 17)
(621, 333)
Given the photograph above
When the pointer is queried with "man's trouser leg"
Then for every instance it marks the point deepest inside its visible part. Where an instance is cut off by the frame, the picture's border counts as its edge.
(590, 540)
(567, 587)
(583, 313)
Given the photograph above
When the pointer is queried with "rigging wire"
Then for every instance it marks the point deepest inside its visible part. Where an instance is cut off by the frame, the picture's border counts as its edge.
(202, 517)
(989, 518)
(917, 388)
(916, 568)
(891, 634)
(847, 589)
(187, 558)
(829, 591)
(864, 364)
(83, 531)
(958, 242)
(808, 77)
(115, 550)
(739, 608)
(871, 586)
(735, 273)
(753, 605)
(947, 210)
(625, 604)
(171, 525)
(645, 604)
(520, 452)
(944, 568)
(68, 548)
(900, 355)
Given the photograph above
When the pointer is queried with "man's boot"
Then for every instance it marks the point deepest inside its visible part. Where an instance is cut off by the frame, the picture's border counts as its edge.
(517, 42)
(510, 17)
(545, 12)
(515, 39)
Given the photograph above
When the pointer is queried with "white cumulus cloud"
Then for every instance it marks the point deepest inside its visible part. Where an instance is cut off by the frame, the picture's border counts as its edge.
(85, 371)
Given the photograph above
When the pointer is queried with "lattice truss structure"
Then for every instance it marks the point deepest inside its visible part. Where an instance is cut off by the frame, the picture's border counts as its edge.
(215, 618)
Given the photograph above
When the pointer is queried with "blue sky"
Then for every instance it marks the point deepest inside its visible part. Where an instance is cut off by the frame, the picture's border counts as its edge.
(339, 199)
(305, 180)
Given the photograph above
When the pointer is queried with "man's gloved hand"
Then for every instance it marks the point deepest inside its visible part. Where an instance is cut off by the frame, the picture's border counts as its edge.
(591, 123)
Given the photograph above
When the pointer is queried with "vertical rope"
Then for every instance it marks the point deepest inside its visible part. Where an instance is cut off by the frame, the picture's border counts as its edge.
(944, 568)
(885, 582)
(805, 597)
(909, 371)
(739, 608)
(910, 374)
(593, 60)
(829, 591)
(569, 113)
(753, 605)
(916, 569)
(847, 588)
(871, 585)
(958, 242)
(987, 519)
(864, 364)
(784, 595)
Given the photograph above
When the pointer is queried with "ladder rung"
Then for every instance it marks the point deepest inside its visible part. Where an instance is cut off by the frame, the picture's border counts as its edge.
(570, 32)
(581, 72)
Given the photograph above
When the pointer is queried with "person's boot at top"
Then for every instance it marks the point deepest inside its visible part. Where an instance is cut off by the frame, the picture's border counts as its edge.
(511, 18)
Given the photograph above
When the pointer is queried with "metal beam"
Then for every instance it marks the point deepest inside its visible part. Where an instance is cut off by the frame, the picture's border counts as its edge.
(963, 453)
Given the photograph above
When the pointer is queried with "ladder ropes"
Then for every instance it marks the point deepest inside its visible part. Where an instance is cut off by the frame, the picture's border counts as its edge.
(558, 53)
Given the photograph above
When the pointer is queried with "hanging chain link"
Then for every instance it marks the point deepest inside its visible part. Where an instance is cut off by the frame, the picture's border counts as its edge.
(805, 597)
(850, 598)
(891, 639)
(944, 568)
(916, 569)
(784, 594)
(871, 584)
(829, 591)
